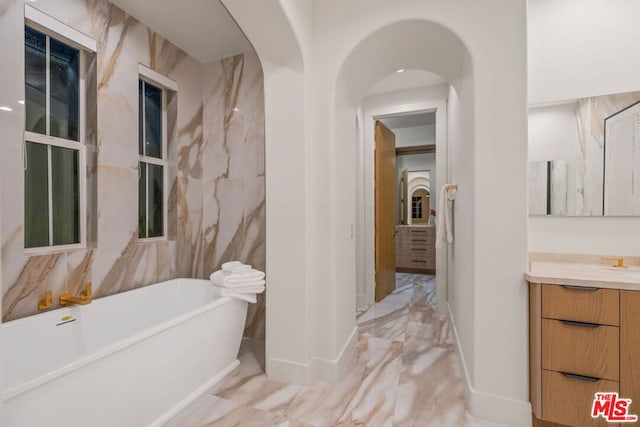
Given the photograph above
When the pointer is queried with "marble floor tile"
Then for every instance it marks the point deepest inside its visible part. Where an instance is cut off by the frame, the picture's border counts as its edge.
(404, 373)
(249, 386)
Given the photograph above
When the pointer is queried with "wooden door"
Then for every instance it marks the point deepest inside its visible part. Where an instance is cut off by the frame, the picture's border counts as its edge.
(385, 206)
(630, 348)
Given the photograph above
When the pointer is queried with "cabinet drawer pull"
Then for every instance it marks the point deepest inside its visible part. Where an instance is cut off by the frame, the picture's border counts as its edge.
(580, 288)
(419, 249)
(418, 240)
(583, 324)
(420, 261)
(580, 377)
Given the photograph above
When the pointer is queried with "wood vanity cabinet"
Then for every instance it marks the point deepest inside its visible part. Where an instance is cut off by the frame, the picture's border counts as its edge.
(630, 348)
(583, 340)
(416, 249)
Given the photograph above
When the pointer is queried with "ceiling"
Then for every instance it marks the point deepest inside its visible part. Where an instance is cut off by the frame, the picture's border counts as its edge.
(410, 120)
(409, 79)
(202, 28)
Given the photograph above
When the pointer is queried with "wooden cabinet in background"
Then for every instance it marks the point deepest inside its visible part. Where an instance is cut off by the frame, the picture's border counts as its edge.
(416, 249)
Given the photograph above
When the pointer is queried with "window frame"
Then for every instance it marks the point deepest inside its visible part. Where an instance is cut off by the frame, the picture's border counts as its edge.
(416, 207)
(147, 75)
(52, 28)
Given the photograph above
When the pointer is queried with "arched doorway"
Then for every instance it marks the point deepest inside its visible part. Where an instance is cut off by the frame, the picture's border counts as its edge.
(319, 59)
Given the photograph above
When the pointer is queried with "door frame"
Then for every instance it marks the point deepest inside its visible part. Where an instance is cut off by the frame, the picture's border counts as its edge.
(366, 194)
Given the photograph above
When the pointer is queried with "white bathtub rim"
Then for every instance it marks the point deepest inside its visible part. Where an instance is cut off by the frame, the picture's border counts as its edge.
(107, 351)
(193, 396)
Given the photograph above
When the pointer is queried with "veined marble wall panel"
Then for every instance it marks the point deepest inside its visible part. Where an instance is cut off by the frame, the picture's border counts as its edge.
(558, 187)
(215, 171)
(591, 114)
(233, 170)
(622, 163)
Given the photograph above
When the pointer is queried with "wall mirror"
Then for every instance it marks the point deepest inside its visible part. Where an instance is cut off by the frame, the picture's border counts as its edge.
(415, 197)
(584, 157)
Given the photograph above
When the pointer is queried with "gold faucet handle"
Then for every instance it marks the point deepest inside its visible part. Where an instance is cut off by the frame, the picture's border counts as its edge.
(86, 294)
(619, 261)
(46, 302)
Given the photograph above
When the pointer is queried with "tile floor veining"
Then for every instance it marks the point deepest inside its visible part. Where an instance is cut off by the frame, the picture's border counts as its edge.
(404, 373)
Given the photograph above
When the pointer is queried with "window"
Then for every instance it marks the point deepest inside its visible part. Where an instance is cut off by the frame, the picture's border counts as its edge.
(152, 144)
(416, 207)
(54, 151)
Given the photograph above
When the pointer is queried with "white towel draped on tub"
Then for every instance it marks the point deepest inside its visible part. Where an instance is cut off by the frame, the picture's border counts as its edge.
(248, 297)
(444, 227)
(238, 280)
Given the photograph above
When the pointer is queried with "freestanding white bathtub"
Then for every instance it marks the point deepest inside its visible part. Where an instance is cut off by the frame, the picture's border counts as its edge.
(131, 359)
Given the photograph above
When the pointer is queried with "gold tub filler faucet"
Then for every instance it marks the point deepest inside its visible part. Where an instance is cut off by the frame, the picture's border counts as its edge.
(619, 261)
(83, 299)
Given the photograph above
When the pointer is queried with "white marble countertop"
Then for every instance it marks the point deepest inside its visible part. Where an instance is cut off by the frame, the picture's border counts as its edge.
(588, 274)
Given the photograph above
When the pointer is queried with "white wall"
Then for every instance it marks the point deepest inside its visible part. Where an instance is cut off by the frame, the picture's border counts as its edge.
(417, 135)
(582, 48)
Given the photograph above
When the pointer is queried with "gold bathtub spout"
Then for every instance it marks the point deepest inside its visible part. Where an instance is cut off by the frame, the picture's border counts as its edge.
(83, 299)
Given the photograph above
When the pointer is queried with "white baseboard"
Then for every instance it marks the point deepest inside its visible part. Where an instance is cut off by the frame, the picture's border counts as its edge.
(164, 418)
(492, 407)
(334, 370)
(318, 368)
(289, 372)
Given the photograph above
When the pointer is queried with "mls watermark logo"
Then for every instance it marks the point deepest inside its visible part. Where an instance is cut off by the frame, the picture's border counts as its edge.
(612, 408)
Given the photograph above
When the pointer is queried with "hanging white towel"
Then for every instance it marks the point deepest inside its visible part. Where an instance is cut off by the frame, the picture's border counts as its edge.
(444, 230)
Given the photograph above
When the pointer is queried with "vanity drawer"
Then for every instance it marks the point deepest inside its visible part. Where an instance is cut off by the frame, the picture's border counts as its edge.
(568, 400)
(582, 304)
(584, 349)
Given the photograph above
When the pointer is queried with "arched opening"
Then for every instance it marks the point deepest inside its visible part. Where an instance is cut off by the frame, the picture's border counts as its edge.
(314, 88)
(429, 47)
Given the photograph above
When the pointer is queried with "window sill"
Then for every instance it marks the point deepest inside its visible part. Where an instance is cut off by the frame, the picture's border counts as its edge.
(52, 250)
(150, 240)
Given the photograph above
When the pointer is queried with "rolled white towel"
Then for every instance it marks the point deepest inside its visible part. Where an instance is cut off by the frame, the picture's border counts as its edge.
(235, 267)
(219, 279)
(252, 290)
(253, 276)
(233, 279)
(251, 273)
(238, 295)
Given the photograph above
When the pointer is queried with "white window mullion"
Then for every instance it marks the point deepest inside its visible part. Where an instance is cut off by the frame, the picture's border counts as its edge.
(146, 192)
(165, 156)
(144, 119)
(50, 193)
(153, 160)
(82, 152)
(47, 85)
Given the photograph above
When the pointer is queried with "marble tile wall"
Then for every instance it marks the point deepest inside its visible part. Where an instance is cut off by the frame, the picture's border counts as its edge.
(589, 158)
(216, 166)
(622, 163)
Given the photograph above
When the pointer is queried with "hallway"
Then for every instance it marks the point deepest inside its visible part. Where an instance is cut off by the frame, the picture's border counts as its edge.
(406, 375)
